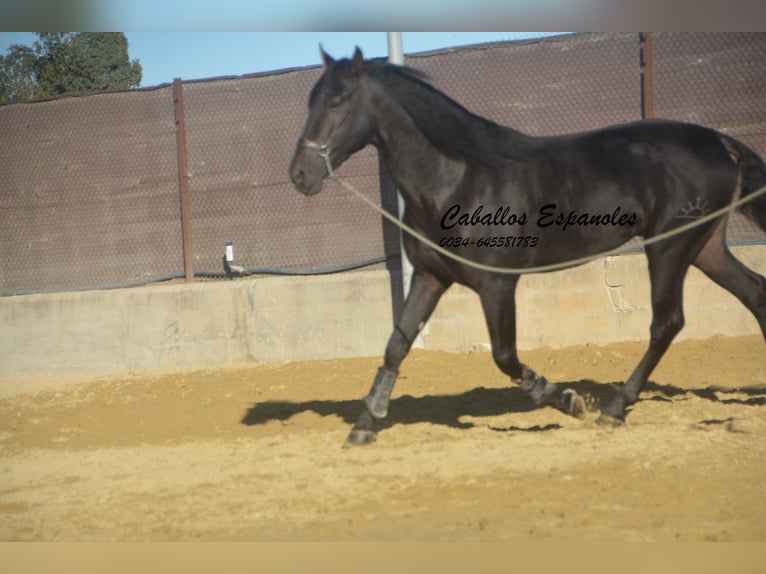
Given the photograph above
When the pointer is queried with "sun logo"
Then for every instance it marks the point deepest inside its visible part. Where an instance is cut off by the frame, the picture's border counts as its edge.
(694, 210)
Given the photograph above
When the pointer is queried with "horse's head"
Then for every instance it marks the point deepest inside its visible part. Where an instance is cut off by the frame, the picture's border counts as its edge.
(338, 124)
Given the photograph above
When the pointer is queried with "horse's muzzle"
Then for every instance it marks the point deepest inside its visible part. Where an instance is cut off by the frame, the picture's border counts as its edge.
(302, 182)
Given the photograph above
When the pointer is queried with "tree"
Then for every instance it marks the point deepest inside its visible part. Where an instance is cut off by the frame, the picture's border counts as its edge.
(17, 74)
(62, 62)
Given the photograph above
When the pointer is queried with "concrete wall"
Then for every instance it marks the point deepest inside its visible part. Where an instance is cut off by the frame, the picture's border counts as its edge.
(162, 327)
(605, 301)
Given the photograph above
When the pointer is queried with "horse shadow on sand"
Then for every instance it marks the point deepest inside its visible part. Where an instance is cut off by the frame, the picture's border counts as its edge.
(448, 410)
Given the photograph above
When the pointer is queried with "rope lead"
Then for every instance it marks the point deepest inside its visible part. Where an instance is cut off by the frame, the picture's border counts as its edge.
(542, 268)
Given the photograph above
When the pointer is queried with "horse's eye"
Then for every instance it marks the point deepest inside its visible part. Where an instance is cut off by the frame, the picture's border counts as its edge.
(338, 100)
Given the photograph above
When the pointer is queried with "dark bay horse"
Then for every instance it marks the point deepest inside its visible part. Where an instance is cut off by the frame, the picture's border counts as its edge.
(502, 198)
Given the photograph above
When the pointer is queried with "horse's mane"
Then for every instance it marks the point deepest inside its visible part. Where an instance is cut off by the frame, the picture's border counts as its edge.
(449, 126)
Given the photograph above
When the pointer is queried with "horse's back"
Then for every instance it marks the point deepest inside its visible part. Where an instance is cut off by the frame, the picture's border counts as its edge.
(660, 135)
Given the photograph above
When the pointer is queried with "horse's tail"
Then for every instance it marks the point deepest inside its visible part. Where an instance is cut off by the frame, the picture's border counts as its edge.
(752, 171)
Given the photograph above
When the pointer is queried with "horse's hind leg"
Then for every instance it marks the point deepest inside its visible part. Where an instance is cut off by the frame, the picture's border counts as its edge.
(718, 263)
(498, 301)
(667, 271)
(425, 292)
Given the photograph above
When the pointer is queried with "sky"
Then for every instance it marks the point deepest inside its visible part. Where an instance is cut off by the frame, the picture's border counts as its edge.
(195, 55)
(175, 38)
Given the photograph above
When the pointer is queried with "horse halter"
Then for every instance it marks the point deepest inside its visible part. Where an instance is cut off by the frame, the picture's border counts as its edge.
(322, 149)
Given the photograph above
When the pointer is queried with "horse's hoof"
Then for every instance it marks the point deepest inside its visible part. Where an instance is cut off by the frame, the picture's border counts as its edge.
(609, 421)
(359, 437)
(576, 407)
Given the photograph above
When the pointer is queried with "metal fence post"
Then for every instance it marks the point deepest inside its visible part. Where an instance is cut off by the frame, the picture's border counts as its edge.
(183, 179)
(396, 56)
(647, 75)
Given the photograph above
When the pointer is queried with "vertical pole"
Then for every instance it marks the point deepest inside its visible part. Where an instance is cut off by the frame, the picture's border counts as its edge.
(647, 76)
(396, 56)
(183, 179)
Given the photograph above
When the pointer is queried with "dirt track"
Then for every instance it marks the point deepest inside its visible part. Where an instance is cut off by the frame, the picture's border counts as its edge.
(254, 453)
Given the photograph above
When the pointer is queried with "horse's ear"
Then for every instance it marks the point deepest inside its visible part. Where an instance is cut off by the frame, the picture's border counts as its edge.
(328, 59)
(357, 62)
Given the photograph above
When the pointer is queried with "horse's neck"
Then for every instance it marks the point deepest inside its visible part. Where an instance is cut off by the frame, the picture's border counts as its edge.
(420, 171)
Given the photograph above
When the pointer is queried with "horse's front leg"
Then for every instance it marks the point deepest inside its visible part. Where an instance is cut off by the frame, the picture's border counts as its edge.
(498, 302)
(425, 292)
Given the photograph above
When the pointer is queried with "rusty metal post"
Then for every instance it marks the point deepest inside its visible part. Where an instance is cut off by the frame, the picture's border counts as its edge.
(183, 179)
(647, 76)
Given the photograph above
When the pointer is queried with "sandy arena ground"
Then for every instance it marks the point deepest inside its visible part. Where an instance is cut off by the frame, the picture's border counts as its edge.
(254, 453)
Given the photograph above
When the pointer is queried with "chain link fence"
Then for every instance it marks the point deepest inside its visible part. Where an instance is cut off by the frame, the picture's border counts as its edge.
(88, 192)
(241, 135)
(716, 80)
(89, 186)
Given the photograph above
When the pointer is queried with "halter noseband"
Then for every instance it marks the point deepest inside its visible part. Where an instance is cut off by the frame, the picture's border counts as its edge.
(322, 149)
